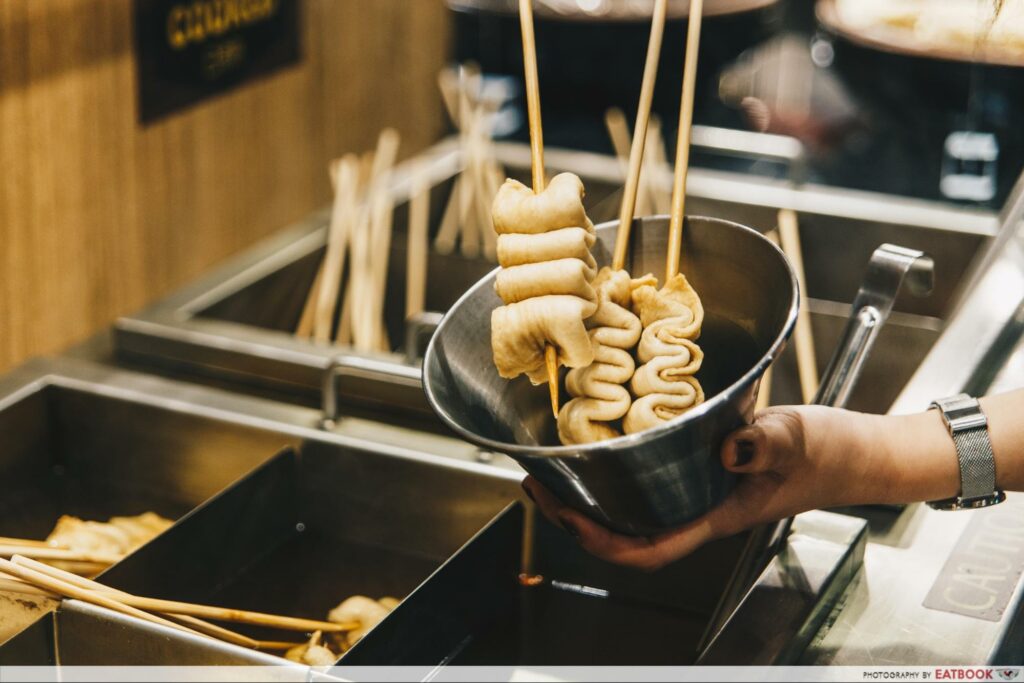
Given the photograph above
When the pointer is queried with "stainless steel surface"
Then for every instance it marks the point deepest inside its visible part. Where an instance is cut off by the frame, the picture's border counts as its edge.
(881, 621)
(984, 332)
(418, 331)
(75, 449)
(750, 145)
(233, 326)
(307, 530)
(658, 479)
(887, 269)
(784, 609)
(97, 441)
(387, 384)
(1011, 216)
(586, 612)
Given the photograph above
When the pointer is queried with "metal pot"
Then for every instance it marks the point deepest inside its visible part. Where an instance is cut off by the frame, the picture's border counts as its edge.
(647, 482)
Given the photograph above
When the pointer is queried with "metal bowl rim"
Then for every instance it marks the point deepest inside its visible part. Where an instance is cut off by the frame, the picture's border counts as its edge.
(626, 440)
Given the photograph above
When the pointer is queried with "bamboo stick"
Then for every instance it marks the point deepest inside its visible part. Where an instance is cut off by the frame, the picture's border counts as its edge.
(305, 326)
(675, 241)
(417, 251)
(807, 365)
(27, 543)
(537, 156)
(659, 197)
(636, 155)
(68, 590)
(337, 242)
(61, 554)
(469, 229)
(181, 608)
(448, 231)
(764, 394)
(20, 587)
(618, 132)
(275, 645)
(190, 622)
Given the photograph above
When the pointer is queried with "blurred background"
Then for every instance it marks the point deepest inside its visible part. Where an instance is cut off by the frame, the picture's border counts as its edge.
(101, 213)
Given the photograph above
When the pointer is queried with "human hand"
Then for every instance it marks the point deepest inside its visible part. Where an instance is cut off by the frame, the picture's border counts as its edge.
(791, 459)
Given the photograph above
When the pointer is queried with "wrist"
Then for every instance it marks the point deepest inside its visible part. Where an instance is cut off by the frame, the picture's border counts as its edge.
(853, 455)
(921, 460)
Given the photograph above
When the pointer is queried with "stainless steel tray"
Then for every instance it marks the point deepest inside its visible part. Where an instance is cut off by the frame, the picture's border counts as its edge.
(332, 516)
(96, 441)
(73, 448)
(235, 324)
(403, 502)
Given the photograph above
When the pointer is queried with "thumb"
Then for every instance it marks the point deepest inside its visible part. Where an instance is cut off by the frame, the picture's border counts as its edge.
(765, 445)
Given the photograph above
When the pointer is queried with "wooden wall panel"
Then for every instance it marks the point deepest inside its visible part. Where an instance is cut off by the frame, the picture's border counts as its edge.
(99, 215)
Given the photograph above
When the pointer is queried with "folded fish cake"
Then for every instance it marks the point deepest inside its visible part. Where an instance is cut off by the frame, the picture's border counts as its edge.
(544, 249)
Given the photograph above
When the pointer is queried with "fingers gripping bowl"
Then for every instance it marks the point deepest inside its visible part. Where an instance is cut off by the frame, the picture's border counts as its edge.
(650, 481)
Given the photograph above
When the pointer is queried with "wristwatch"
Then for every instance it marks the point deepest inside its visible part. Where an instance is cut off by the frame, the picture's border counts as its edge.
(969, 428)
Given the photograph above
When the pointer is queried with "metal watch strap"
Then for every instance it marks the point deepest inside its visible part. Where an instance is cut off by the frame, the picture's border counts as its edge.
(968, 426)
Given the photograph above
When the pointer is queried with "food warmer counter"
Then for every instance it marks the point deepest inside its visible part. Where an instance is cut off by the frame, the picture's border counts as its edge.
(236, 324)
(275, 514)
(292, 513)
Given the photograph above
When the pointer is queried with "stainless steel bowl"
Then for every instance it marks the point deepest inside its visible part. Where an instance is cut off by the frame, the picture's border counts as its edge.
(661, 478)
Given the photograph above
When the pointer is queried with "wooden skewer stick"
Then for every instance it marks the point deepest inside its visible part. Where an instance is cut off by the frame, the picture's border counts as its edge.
(305, 327)
(239, 616)
(61, 554)
(185, 608)
(806, 362)
(189, 622)
(27, 543)
(656, 167)
(469, 229)
(68, 590)
(334, 258)
(675, 233)
(532, 95)
(764, 394)
(618, 132)
(23, 588)
(537, 155)
(416, 257)
(636, 155)
(275, 646)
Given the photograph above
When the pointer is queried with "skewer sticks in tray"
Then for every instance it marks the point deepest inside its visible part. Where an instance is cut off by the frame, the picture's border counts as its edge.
(24, 575)
(467, 218)
(44, 552)
(359, 236)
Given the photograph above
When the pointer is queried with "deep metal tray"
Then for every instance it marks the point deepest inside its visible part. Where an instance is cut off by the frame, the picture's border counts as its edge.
(327, 517)
(236, 324)
(70, 449)
(410, 511)
(95, 441)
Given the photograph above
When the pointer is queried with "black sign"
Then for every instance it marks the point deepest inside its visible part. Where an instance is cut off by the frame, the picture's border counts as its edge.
(188, 50)
(983, 571)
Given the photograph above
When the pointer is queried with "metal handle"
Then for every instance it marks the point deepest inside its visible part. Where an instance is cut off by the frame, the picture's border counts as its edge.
(419, 328)
(890, 266)
(781, 149)
(373, 380)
